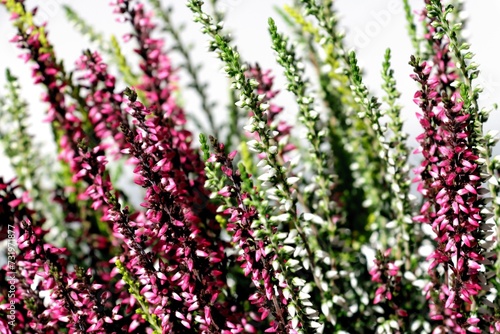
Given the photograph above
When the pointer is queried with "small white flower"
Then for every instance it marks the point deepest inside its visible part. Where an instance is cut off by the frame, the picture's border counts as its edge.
(265, 177)
(313, 218)
(262, 163)
(249, 128)
(281, 218)
(310, 311)
(264, 106)
(292, 310)
(298, 281)
(253, 144)
(303, 295)
(276, 265)
(253, 83)
(287, 294)
(339, 300)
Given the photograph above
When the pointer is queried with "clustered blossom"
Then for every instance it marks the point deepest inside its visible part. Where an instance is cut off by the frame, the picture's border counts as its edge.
(71, 124)
(450, 180)
(10, 204)
(75, 302)
(158, 78)
(49, 73)
(170, 282)
(105, 199)
(190, 259)
(254, 259)
(387, 274)
(105, 111)
(75, 121)
(158, 84)
(265, 90)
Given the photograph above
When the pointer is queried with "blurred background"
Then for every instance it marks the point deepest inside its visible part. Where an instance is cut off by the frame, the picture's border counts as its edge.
(371, 26)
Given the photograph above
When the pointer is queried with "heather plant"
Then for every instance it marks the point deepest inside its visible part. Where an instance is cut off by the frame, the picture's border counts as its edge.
(263, 219)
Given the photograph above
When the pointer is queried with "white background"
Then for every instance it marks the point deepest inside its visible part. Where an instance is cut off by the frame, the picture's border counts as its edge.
(371, 26)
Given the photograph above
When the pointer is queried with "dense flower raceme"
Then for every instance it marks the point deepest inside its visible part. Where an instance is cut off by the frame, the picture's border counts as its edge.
(158, 78)
(255, 260)
(74, 119)
(159, 84)
(69, 120)
(265, 89)
(76, 303)
(451, 183)
(103, 101)
(185, 240)
(49, 73)
(387, 273)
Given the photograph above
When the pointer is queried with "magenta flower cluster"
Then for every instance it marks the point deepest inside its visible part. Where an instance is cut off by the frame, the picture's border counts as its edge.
(451, 182)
